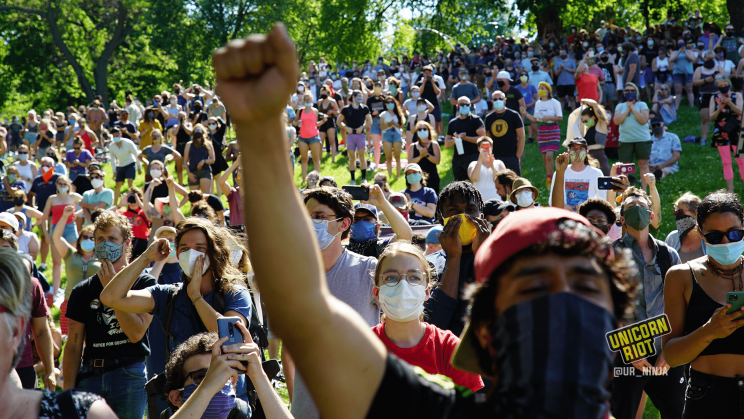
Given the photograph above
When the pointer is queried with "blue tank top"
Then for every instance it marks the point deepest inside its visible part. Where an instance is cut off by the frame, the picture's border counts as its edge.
(682, 65)
(196, 155)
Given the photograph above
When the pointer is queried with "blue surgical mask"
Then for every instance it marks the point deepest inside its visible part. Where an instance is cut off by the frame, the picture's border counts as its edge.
(393, 89)
(725, 254)
(219, 406)
(390, 106)
(359, 99)
(87, 245)
(498, 104)
(117, 139)
(71, 121)
(630, 96)
(464, 110)
(321, 232)
(413, 178)
(362, 231)
(600, 49)
(173, 250)
(423, 133)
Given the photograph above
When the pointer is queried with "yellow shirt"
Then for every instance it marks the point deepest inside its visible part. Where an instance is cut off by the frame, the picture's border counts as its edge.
(145, 130)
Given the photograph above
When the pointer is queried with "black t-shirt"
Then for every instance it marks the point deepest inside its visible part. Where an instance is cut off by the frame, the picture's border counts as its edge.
(113, 116)
(82, 184)
(126, 126)
(158, 191)
(354, 118)
(512, 98)
(428, 93)
(502, 128)
(375, 103)
(470, 127)
(416, 397)
(609, 72)
(650, 54)
(104, 338)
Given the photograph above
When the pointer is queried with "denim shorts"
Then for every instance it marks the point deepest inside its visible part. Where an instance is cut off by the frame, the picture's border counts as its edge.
(392, 136)
(682, 78)
(203, 173)
(375, 128)
(70, 234)
(123, 389)
(310, 141)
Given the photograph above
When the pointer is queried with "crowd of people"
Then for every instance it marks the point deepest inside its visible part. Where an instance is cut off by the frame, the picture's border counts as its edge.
(459, 280)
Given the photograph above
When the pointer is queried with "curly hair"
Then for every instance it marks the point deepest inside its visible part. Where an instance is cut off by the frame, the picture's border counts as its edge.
(720, 201)
(466, 189)
(203, 210)
(337, 199)
(219, 243)
(598, 204)
(571, 239)
(195, 345)
(108, 219)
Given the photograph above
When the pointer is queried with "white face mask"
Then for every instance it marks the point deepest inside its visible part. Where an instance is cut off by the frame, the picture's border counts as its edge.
(524, 198)
(155, 173)
(96, 183)
(403, 302)
(187, 259)
(321, 232)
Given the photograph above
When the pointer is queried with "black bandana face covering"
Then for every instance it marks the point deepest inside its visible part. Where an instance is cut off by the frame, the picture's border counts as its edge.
(685, 224)
(553, 360)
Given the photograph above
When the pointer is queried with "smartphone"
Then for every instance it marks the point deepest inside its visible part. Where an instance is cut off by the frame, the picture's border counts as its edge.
(485, 147)
(357, 192)
(605, 183)
(226, 328)
(736, 299)
(627, 169)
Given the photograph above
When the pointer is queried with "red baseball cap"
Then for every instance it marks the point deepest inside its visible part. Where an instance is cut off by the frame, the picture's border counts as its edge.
(522, 229)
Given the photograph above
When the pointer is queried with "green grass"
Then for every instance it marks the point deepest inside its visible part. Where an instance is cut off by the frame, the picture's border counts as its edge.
(700, 172)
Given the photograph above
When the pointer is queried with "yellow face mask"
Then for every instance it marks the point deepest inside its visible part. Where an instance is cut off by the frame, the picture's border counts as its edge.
(467, 229)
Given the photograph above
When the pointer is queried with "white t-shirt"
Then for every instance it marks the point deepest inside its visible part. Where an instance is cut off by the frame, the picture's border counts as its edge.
(411, 104)
(548, 108)
(125, 152)
(390, 116)
(727, 65)
(485, 184)
(579, 186)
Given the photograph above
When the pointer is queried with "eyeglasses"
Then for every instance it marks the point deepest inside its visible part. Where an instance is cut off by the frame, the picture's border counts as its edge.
(392, 278)
(318, 218)
(196, 376)
(716, 237)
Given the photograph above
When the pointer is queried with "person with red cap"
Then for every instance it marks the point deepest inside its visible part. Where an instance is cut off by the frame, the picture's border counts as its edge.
(547, 284)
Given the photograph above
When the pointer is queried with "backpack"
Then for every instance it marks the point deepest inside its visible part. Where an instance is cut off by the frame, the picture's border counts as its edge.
(663, 256)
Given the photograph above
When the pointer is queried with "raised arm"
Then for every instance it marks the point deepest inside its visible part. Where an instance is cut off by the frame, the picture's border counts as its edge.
(222, 181)
(398, 223)
(302, 310)
(173, 202)
(60, 243)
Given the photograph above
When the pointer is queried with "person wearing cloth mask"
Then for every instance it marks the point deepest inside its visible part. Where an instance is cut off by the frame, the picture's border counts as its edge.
(403, 283)
(548, 113)
(16, 302)
(124, 157)
(599, 212)
(481, 172)
(506, 130)
(423, 199)
(365, 227)
(148, 125)
(426, 152)
(80, 260)
(201, 376)
(495, 210)
(631, 117)
(725, 109)
(575, 180)
(53, 213)
(209, 280)
(27, 169)
(298, 298)
(514, 98)
(665, 151)
(392, 121)
(354, 119)
(116, 343)
(158, 151)
(587, 83)
(459, 210)
(78, 159)
(529, 93)
(663, 105)
(695, 296)
(132, 201)
(400, 202)
(311, 180)
(706, 79)
(593, 128)
(463, 133)
(523, 194)
(653, 259)
(686, 239)
(432, 240)
(381, 180)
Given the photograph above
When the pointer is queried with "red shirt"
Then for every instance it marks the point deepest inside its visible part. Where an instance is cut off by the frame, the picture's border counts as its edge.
(433, 355)
(587, 87)
(39, 309)
(87, 141)
(140, 227)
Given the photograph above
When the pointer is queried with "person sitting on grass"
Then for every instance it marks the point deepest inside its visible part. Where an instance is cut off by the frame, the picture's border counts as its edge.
(665, 150)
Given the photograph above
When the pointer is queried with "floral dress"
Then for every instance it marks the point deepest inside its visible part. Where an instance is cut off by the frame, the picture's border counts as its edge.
(723, 134)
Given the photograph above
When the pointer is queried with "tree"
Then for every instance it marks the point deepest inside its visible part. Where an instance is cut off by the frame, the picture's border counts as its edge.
(103, 25)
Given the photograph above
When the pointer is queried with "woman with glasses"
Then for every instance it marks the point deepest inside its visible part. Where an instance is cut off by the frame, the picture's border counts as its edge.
(55, 208)
(663, 104)
(725, 109)
(686, 239)
(696, 303)
(79, 256)
(402, 284)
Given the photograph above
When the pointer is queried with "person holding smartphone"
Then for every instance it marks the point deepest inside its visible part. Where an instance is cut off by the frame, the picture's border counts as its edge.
(482, 171)
(702, 333)
(365, 228)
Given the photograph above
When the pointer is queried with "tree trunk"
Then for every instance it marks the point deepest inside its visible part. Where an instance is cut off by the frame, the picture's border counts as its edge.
(547, 21)
(736, 11)
(100, 73)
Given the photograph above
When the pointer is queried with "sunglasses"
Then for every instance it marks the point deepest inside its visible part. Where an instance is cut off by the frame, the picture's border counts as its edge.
(717, 237)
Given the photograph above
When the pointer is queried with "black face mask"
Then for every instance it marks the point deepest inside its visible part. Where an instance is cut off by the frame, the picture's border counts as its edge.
(132, 199)
(604, 228)
(604, 58)
(18, 201)
(324, 96)
(501, 83)
(730, 34)
(709, 64)
(657, 130)
(724, 89)
(535, 68)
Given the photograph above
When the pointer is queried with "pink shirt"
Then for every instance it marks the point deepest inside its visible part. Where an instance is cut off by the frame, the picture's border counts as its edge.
(309, 127)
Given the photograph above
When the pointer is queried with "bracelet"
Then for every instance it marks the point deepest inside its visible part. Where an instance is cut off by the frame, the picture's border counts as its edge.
(200, 297)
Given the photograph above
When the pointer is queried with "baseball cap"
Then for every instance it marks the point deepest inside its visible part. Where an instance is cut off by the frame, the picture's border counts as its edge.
(495, 207)
(504, 75)
(431, 236)
(21, 217)
(526, 228)
(368, 207)
(9, 219)
(413, 166)
(655, 120)
(577, 140)
(398, 200)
